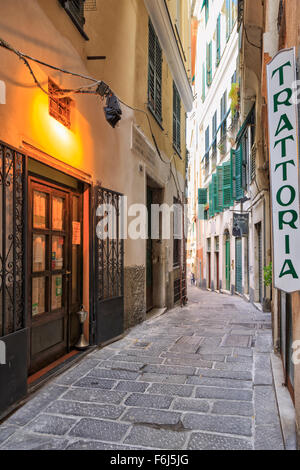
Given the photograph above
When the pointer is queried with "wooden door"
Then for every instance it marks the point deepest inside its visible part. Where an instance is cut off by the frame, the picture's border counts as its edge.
(54, 271)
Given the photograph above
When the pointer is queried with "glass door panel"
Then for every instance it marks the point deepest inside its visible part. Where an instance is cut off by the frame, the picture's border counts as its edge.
(39, 253)
(57, 253)
(38, 295)
(57, 213)
(56, 292)
(40, 210)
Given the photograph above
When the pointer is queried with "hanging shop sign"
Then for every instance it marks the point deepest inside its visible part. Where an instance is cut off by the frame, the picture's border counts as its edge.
(240, 225)
(284, 171)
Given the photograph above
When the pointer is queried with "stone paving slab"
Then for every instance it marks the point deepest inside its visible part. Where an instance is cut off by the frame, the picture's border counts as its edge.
(238, 408)
(223, 393)
(97, 429)
(193, 378)
(150, 416)
(156, 438)
(217, 442)
(220, 424)
(223, 383)
(48, 424)
(73, 408)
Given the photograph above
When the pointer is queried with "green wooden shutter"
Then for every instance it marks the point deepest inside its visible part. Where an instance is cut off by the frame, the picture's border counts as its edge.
(211, 200)
(218, 41)
(232, 166)
(227, 185)
(202, 196)
(215, 192)
(220, 187)
(154, 74)
(239, 193)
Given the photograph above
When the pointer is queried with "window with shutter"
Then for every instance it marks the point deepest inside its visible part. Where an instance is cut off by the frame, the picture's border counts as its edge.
(75, 10)
(176, 120)
(211, 200)
(218, 41)
(227, 185)
(154, 75)
(232, 166)
(215, 193)
(239, 193)
(220, 187)
(207, 139)
(209, 63)
(202, 196)
(214, 141)
(223, 136)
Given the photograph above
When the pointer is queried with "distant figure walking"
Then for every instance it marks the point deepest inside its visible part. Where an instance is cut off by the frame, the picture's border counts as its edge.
(193, 280)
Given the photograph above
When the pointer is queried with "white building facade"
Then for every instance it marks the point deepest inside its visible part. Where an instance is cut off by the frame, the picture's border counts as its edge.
(232, 209)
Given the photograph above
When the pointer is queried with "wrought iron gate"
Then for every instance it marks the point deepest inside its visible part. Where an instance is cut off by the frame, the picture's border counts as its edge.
(13, 277)
(109, 266)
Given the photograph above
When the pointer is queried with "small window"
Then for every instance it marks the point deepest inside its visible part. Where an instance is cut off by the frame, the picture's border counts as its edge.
(75, 10)
(59, 108)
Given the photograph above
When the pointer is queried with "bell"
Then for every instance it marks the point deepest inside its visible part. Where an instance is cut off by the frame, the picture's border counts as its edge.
(82, 342)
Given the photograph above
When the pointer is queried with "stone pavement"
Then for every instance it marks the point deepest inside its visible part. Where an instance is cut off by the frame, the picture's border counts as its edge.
(197, 377)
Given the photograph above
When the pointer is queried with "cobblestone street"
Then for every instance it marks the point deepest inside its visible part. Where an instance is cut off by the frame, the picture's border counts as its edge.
(197, 377)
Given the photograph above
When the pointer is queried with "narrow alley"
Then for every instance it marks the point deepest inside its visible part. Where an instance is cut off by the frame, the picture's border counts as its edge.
(197, 377)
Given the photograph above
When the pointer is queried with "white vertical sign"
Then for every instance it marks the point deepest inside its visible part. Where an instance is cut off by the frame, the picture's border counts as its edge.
(284, 172)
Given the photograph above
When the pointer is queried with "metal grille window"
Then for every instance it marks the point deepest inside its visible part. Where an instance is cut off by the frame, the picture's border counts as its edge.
(13, 244)
(59, 108)
(75, 10)
(176, 119)
(154, 74)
